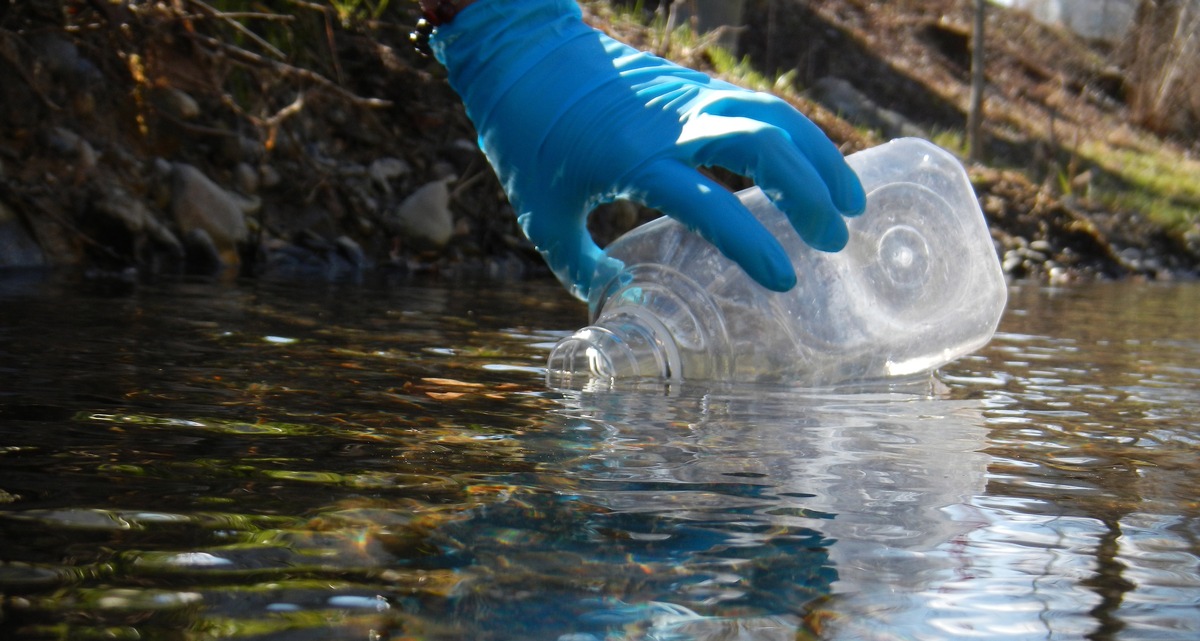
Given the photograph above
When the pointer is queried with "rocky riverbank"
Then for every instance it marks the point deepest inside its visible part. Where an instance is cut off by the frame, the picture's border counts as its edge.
(164, 138)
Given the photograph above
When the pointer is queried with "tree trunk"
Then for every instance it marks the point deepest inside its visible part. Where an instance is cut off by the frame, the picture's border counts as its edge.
(1159, 56)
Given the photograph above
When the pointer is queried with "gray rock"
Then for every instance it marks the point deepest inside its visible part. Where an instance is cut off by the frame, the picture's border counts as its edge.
(87, 157)
(235, 148)
(200, 204)
(17, 246)
(203, 255)
(62, 58)
(61, 141)
(384, 170)
(136, 217)
(312, 257)
(178, 103)
(251, 205)
(351, 251)
(162, 167)
(425, 214)
(246, 178)
(844, 99)
(67, 143)
(269, 177)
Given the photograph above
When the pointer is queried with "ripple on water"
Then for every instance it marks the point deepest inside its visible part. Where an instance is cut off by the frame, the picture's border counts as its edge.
(395, 468)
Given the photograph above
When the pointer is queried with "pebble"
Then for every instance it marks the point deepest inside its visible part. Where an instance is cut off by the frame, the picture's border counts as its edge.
(203, 256)
(1059, 275)
(136, 217)
(67, 143)
(312, 257)
(425, 214)
(62, 58)
(236, 148)
(199, 204)
(17, 247)
(1012, 260)
(268, 177)
(87, 157)
(352, 251)
(179, 103)
(62, 141)
(384, 170)
(246, 178)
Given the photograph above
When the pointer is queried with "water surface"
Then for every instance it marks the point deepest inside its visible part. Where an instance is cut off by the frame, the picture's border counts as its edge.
(354, 462)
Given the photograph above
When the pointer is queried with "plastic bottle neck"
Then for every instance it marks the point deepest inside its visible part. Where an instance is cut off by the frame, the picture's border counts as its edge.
(632, 344)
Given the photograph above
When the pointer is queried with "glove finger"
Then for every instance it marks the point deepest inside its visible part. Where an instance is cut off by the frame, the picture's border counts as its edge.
(564, 242)
(845, 190)
(710, 210)
(767, 154)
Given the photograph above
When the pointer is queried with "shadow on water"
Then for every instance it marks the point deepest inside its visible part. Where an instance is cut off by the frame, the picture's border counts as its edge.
(261, 462)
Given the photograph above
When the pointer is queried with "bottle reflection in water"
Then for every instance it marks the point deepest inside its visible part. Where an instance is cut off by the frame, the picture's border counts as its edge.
(918, 285)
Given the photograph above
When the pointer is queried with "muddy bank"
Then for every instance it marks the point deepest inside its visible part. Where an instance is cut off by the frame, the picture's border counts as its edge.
(151, 139)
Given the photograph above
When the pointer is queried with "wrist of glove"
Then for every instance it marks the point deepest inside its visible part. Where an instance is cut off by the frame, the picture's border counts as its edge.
(570, 118)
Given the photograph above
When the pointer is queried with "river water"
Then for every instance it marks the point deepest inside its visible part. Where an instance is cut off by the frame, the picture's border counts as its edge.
(200, 461)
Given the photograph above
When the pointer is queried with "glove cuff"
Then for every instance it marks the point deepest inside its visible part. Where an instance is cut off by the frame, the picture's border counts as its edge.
(491, 44)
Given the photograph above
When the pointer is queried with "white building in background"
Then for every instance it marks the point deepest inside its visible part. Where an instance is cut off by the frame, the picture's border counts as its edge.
(1100, 19)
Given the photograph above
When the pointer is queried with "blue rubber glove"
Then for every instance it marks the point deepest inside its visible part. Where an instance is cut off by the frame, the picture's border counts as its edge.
(570, 118)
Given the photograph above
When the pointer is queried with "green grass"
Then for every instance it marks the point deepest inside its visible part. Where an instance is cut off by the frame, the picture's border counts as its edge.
(739, 71)
(952, 140)
(1151, 179)
(1161, 184)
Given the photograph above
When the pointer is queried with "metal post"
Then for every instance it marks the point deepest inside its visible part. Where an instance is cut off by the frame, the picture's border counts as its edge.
(978, 80)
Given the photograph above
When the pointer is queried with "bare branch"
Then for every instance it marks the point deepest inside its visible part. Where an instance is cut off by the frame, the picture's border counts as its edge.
(239, 27)
(237, 54)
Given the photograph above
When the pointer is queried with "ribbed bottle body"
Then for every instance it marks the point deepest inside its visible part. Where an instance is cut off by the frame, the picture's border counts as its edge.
(918, 284)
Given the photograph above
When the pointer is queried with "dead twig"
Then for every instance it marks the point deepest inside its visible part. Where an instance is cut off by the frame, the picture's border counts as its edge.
(271, 123)
(247, 15)
(237, 54)
(239, 27)
(332, 44)
(195, 128)
(315, 6)
(327, 13)
(474, 175)
(287, 112)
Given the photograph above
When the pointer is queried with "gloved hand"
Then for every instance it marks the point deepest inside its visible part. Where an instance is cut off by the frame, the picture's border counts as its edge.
(570, 118)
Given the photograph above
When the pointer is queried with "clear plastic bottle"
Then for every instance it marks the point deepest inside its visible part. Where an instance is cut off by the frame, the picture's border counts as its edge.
(918, 285)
